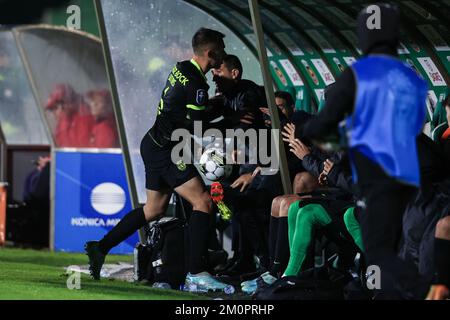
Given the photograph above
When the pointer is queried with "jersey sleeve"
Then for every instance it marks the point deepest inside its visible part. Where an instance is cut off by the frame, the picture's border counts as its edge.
(196, 99)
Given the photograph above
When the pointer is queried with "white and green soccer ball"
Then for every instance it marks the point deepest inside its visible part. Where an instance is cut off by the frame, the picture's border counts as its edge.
(213, 164)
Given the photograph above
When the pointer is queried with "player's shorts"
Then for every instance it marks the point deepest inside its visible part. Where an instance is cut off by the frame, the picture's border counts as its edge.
(160, 171)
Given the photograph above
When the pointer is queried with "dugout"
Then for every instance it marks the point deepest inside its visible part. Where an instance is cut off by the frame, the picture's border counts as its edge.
(70, 101)
(22, 140)
(307, 44)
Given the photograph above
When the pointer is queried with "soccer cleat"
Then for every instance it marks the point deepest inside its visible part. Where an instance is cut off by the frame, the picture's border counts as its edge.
(161, 285)
(250, 286)
(204, 282)
(217, 195)
(96, 258)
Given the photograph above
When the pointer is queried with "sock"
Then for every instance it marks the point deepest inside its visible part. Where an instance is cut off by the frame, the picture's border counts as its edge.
(353, 227)
(133, 221)
(273, 232)
(282, 247)
(198, 235)
(442, 261)
(292, 221)
(308, 217)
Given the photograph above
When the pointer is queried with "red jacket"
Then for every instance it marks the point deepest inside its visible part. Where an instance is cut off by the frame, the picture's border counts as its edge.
(104, 134)
(74, 131)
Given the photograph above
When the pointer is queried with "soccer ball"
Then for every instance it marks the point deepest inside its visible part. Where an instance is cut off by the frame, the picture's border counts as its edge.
(212, 164)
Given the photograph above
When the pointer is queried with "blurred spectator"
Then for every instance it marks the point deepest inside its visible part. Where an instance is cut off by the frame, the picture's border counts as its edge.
(32, 181)
(104, 132)
(73, 121)
(29, 223)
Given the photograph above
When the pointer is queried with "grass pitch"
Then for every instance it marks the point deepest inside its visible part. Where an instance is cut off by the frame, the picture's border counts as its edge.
(27, 274)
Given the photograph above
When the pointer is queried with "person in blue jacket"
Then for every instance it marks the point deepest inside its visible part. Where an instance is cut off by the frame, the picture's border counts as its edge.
(382, 103)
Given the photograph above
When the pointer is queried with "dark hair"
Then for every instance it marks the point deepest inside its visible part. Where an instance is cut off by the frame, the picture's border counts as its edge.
(286, 96)
(233, 62)
(205, 37)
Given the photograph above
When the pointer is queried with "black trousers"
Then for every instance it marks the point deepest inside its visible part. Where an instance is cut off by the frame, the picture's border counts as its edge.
(384, 203)
(251, 212)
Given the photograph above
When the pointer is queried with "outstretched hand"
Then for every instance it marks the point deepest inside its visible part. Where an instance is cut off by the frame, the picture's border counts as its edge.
(288, 133)
(243, 181)
(299, 149)
(327, 166)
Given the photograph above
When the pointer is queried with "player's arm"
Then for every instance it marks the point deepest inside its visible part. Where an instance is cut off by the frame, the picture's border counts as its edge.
(339, 103)
(197, 104)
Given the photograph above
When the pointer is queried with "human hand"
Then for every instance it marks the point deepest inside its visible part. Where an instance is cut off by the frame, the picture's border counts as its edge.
(299, 149)
(243, 181)
(248, 118)
(323, 179)
(288, 132)
(265, 110)
(327, 166)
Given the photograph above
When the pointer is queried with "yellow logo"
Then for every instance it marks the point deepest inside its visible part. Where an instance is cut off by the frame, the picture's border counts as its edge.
(181, 165)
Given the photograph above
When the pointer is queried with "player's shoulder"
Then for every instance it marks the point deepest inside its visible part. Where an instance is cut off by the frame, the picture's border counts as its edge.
(184, 75)
(189, 69)
(185, 65)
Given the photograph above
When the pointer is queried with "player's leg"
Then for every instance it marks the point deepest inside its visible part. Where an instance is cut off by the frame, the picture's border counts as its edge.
(281, 250)
(155, 206)
(198, 279)
(195, 193)
(306, 219)
(158, 193)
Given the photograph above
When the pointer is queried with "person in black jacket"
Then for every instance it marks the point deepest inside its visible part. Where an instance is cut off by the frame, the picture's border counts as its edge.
(240, 98)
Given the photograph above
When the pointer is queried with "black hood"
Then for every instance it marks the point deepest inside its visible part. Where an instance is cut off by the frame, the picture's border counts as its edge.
(378, 24)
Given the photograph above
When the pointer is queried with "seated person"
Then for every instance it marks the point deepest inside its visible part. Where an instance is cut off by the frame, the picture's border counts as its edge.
(250, 196)
(328, 213)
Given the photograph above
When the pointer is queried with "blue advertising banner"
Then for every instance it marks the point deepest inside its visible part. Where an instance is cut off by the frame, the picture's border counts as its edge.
(91, 196)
